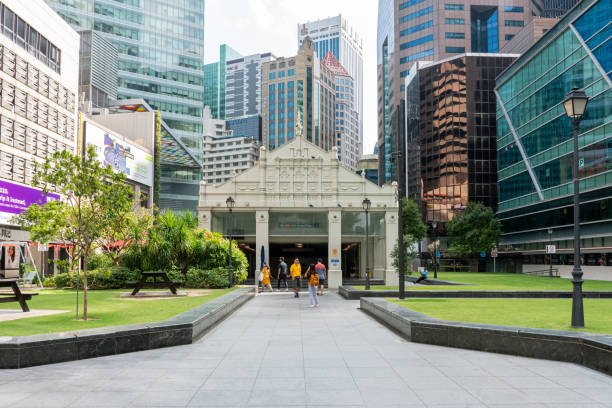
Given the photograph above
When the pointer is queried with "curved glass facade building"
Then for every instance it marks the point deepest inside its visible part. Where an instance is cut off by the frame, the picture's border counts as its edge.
(535, 141)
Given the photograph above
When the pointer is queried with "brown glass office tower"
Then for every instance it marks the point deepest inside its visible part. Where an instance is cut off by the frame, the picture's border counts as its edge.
(451, 134)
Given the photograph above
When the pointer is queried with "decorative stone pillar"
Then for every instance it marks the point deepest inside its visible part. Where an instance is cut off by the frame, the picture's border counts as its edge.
(261, 232)
(205, 219)
(334, 268)
(391, 275)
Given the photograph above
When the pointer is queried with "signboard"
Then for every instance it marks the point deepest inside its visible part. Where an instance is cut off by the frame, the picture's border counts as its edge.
(494, 253)
(15, 199)
(437, 254)
(483, 254)
(580, 163)
(551, 249)
(132, 161)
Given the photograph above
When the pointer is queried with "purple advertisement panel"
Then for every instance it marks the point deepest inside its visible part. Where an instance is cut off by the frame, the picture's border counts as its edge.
(14, 199)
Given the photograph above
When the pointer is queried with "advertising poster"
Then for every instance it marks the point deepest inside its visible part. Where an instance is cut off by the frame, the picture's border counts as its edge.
(135, 163)
(15, 199)
(11, 257)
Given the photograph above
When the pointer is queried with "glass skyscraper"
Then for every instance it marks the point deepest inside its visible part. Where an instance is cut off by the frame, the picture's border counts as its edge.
(535, 142)
(161, 54)
(161, 60)
(214, 86)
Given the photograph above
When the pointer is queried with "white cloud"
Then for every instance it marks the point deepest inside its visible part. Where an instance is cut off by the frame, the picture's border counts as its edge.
(252, 26)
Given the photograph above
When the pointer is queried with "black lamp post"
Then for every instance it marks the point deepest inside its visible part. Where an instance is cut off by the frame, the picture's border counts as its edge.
(366, 206)
(434, 226)
(550, 231)
(230, 203)
(575, 104)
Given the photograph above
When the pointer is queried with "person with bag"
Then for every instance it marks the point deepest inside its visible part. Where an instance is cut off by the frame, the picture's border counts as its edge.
(282, 274)
(313, 284)
(322, 272)
(265, 278)
(296, 274)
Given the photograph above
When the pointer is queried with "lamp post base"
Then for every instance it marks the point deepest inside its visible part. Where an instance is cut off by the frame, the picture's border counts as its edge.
(577, 307)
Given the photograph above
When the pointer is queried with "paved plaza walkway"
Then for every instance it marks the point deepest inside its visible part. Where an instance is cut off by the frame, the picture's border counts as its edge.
(275, 351)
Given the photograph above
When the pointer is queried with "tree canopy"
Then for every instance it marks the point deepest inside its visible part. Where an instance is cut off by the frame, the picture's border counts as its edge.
(476, 230)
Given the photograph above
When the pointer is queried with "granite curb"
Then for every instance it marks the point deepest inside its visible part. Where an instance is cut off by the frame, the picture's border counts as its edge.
(590, 350)
(185, 328)
(351, 293)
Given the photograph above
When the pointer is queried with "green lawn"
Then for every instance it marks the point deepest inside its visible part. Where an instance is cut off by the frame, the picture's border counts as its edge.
(502, 281)
(105, 307)
(536, 313)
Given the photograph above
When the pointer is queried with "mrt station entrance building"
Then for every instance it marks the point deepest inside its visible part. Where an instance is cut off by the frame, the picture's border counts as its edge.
(299, 201)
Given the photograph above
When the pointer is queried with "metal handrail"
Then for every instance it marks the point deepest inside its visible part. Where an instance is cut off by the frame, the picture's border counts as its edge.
(553, 273)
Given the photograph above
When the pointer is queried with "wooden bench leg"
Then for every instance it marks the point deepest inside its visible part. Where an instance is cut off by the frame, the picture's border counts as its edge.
(170, 284)
(20, 297)
(138, 286)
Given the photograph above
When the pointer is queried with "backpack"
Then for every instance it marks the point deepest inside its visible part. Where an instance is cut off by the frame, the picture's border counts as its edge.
(314, 278)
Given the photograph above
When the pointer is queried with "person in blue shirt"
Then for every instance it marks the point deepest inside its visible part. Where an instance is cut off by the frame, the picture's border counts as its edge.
(423, 276)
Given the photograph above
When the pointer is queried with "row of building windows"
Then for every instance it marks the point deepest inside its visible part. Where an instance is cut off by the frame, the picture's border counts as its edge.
(413, 57)
(281, 74)
(416, 14)
(454, 21)
(416, 28)
(407, 4)
(28, 38)
(454, 50)
(19, 169)
(151, 87)
(416, 42)
(458, 36)
(29, 75)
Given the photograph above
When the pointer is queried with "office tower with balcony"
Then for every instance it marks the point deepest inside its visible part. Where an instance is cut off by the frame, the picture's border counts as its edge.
(334, 35)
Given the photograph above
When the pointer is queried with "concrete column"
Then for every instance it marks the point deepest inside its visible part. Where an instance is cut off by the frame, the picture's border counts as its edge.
(391, 275)
(379, 256)
(261, 231)
(334, 269)
(205, 219)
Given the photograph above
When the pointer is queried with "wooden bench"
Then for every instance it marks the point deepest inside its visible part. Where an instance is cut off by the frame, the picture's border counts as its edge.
(17, 295)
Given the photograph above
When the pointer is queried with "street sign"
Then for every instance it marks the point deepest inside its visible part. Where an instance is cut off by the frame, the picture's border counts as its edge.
(494, 253)
(437, 254)
(551, 249)
(483, 254)
(580, 163)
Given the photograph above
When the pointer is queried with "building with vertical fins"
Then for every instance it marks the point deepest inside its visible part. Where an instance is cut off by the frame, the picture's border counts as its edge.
(215, 83)
(243, 85)
(299, 99)
(334, 35)
(535, 146)
(347, 118)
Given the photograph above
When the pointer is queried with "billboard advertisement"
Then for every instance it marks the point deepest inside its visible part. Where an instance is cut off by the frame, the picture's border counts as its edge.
(132, 161)
(15, 199)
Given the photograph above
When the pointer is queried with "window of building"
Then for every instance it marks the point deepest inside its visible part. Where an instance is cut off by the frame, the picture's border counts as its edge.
(455, 49)
(416, 28)
(459, 36)
(413, 57)
(416, 14)
(272, 75)
(407, 4)
(448, 6)
(514, 23)
(513, 9)
(508, 37)
(457, 21)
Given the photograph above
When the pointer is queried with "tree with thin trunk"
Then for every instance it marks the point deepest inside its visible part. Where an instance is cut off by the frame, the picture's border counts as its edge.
(475, 230)
(92, 195)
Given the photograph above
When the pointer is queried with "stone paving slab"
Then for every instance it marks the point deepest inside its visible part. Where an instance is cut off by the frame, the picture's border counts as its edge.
(277, 352)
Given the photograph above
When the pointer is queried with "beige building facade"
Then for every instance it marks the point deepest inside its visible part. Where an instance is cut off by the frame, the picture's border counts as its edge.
(299, 201)
(299, 100)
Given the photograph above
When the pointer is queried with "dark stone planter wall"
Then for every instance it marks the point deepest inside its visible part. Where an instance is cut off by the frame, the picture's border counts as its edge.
(27, 351)
(349, 292)
(590, 350)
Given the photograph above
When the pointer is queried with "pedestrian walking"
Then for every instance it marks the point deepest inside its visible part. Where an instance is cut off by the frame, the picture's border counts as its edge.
(296, 274)
(266, 278)
(282, 274)
(313, 283)
(322, 272)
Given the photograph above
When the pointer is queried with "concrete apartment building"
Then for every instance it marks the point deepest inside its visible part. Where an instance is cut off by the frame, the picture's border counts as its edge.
(433, 30)
(335, 35)
(347, 118)
(243, 85)
(299, 98)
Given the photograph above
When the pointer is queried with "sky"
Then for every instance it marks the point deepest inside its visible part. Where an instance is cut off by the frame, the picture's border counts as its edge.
(256, 26)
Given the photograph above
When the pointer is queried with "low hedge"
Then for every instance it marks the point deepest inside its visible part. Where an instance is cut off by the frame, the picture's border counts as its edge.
(117, 277)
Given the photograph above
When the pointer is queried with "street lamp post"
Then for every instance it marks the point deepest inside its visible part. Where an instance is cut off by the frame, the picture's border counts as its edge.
(230, 202)
(366, 206)
(575, 104)
(550, 231)
(434, 226)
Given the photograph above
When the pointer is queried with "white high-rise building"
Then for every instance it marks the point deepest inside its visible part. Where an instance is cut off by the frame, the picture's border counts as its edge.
(335, 35)
(243, 85)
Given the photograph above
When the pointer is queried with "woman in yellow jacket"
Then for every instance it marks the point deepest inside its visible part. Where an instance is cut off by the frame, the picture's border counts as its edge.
(265, 270)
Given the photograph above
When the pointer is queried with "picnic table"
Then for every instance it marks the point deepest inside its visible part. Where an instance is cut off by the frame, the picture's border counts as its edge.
(165, 280)
(16, 296)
